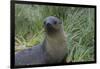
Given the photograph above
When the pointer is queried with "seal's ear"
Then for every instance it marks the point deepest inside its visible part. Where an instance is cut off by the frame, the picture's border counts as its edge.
(60, 21)
(44, 22)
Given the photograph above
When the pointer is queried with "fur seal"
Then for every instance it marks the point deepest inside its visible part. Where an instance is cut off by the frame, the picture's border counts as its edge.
(51, 51)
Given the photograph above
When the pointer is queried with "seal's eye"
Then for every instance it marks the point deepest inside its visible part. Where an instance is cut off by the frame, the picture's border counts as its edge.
(55, 22)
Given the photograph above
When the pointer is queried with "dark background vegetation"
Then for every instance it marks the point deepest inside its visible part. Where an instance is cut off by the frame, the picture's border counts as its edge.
(78, 25)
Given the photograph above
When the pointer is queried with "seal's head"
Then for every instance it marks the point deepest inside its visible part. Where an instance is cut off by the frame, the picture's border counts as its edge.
(52, 25)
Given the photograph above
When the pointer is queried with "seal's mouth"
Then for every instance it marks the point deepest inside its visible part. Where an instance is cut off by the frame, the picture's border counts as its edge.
(50, 29)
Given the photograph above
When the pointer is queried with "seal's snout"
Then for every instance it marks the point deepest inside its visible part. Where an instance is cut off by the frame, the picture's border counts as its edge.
(49, 27)
(48, 24)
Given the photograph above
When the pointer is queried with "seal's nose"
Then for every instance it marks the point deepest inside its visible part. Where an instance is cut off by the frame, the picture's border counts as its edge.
(48, 25)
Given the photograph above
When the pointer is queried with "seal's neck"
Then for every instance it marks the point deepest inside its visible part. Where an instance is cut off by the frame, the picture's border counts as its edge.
(56, 47)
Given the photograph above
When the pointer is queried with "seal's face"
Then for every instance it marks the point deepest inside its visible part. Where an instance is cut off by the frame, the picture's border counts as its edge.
(52, 24)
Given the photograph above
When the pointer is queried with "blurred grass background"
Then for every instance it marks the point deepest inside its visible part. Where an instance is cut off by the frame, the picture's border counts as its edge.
(78, 25)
